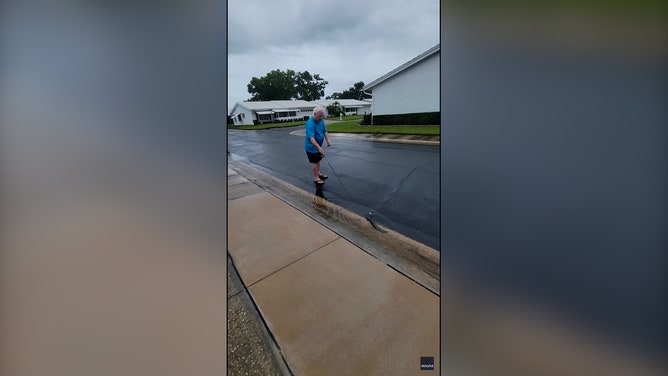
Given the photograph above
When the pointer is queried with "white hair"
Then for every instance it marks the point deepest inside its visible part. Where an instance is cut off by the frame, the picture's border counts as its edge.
(318, 108)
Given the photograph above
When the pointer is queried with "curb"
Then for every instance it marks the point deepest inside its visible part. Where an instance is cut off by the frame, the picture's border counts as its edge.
(414, 260)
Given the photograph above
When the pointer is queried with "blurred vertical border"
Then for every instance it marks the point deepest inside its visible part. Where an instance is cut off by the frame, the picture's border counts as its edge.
(113, 187)
(554, 182)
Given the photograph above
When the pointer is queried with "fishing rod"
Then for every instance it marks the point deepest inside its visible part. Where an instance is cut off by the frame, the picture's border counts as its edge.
(369, 216)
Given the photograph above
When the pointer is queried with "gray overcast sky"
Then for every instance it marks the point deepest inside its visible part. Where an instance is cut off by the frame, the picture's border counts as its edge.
(344, 41)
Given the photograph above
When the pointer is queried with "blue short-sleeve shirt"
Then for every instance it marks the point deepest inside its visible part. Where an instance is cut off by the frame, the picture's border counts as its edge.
(315, 129)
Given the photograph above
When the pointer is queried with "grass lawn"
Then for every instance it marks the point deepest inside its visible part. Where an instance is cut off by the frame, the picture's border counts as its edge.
(352, 126)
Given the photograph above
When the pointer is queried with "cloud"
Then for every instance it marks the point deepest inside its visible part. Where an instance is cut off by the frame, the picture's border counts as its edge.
(345, 41)
(255, 24)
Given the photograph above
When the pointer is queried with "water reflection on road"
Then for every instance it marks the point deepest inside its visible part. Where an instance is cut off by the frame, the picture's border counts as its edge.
(399, 183)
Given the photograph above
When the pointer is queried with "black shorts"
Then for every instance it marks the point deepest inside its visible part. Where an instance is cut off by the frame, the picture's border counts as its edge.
(314, 157)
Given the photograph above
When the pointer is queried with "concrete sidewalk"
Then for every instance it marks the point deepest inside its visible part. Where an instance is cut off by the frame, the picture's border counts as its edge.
(330, 306)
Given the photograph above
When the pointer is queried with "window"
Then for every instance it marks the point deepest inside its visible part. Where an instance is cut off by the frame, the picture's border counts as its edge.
(286, 114)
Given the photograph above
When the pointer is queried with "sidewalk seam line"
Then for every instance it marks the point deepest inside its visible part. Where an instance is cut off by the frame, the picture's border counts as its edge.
(407, 276)
(247, 195)
(297, 260)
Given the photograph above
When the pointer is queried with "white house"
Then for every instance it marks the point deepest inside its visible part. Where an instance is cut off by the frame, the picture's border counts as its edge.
(413, 87)
(249, 113)
(350, 106)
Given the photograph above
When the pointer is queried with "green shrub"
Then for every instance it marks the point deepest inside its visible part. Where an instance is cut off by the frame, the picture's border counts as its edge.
(334, 109)
(366, 120)
(420, 118)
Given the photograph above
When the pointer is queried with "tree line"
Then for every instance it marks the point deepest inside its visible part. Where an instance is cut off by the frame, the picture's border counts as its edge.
(288, 84)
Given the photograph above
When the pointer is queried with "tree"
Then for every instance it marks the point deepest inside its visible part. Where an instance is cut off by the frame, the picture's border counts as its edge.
(334, 109)
(354, 92)
(309, 88)
(277, 85)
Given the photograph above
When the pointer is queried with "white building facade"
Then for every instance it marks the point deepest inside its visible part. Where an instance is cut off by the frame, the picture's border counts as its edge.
(249, 113)
(413, 87)
(350, 106)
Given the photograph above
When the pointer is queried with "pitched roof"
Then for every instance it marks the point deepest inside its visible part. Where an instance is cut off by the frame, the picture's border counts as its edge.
(293, 103)
(271, 105)
(343, 102)
(256, 105)
(403, 67)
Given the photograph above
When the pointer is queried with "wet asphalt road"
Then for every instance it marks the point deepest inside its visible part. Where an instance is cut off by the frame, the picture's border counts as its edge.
(398, 183)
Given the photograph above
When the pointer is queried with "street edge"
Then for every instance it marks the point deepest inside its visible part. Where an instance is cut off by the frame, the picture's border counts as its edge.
(379, 137)
(414, 260)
